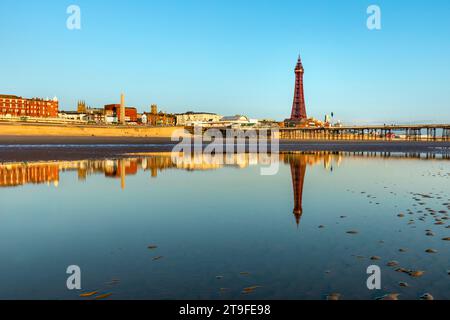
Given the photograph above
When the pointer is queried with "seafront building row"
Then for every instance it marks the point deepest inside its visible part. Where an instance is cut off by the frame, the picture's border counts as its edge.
(15, 108)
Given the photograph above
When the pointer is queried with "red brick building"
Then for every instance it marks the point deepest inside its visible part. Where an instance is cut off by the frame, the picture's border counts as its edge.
(21, 107)
(160, 119)
(114, 110)
(155, 118)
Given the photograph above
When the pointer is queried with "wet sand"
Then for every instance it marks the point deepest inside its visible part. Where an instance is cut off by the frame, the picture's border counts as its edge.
(37, 148)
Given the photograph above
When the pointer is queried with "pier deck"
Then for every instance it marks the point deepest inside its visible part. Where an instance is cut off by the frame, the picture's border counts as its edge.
(419, 132)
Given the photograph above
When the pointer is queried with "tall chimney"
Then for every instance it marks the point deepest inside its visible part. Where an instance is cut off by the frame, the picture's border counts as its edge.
(122, 108)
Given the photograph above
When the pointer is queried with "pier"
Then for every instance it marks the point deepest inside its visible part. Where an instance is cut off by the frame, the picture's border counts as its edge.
(426, 132)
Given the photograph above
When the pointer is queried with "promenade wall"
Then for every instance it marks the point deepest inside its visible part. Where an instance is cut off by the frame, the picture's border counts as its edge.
(7, 129)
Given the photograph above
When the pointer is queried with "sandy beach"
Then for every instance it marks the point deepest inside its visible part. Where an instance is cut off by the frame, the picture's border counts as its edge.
(37, 148)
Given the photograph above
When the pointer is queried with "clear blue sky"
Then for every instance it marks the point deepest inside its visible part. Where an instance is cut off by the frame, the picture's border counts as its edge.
(233, 56)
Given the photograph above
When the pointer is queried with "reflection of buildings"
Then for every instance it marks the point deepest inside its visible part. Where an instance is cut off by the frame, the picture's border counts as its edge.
(17, 175)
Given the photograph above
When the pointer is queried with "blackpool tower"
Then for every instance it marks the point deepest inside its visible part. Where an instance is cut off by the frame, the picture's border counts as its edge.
(298, 114)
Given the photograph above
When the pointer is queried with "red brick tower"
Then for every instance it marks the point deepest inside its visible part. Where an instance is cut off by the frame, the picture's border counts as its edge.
(298, 108)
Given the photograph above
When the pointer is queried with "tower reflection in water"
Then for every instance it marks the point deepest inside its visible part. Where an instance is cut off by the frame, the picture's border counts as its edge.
(298, 171)
(299, 163)
(19, 174)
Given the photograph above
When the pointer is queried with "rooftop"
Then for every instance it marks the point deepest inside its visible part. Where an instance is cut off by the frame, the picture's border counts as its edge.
(8, 96)
(192, 112)
(234, 118)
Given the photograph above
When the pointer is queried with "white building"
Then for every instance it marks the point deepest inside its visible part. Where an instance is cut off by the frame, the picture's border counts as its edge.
(144, 119)
(72, 115)
(197, 118)
(111, 119)
(237, 120)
